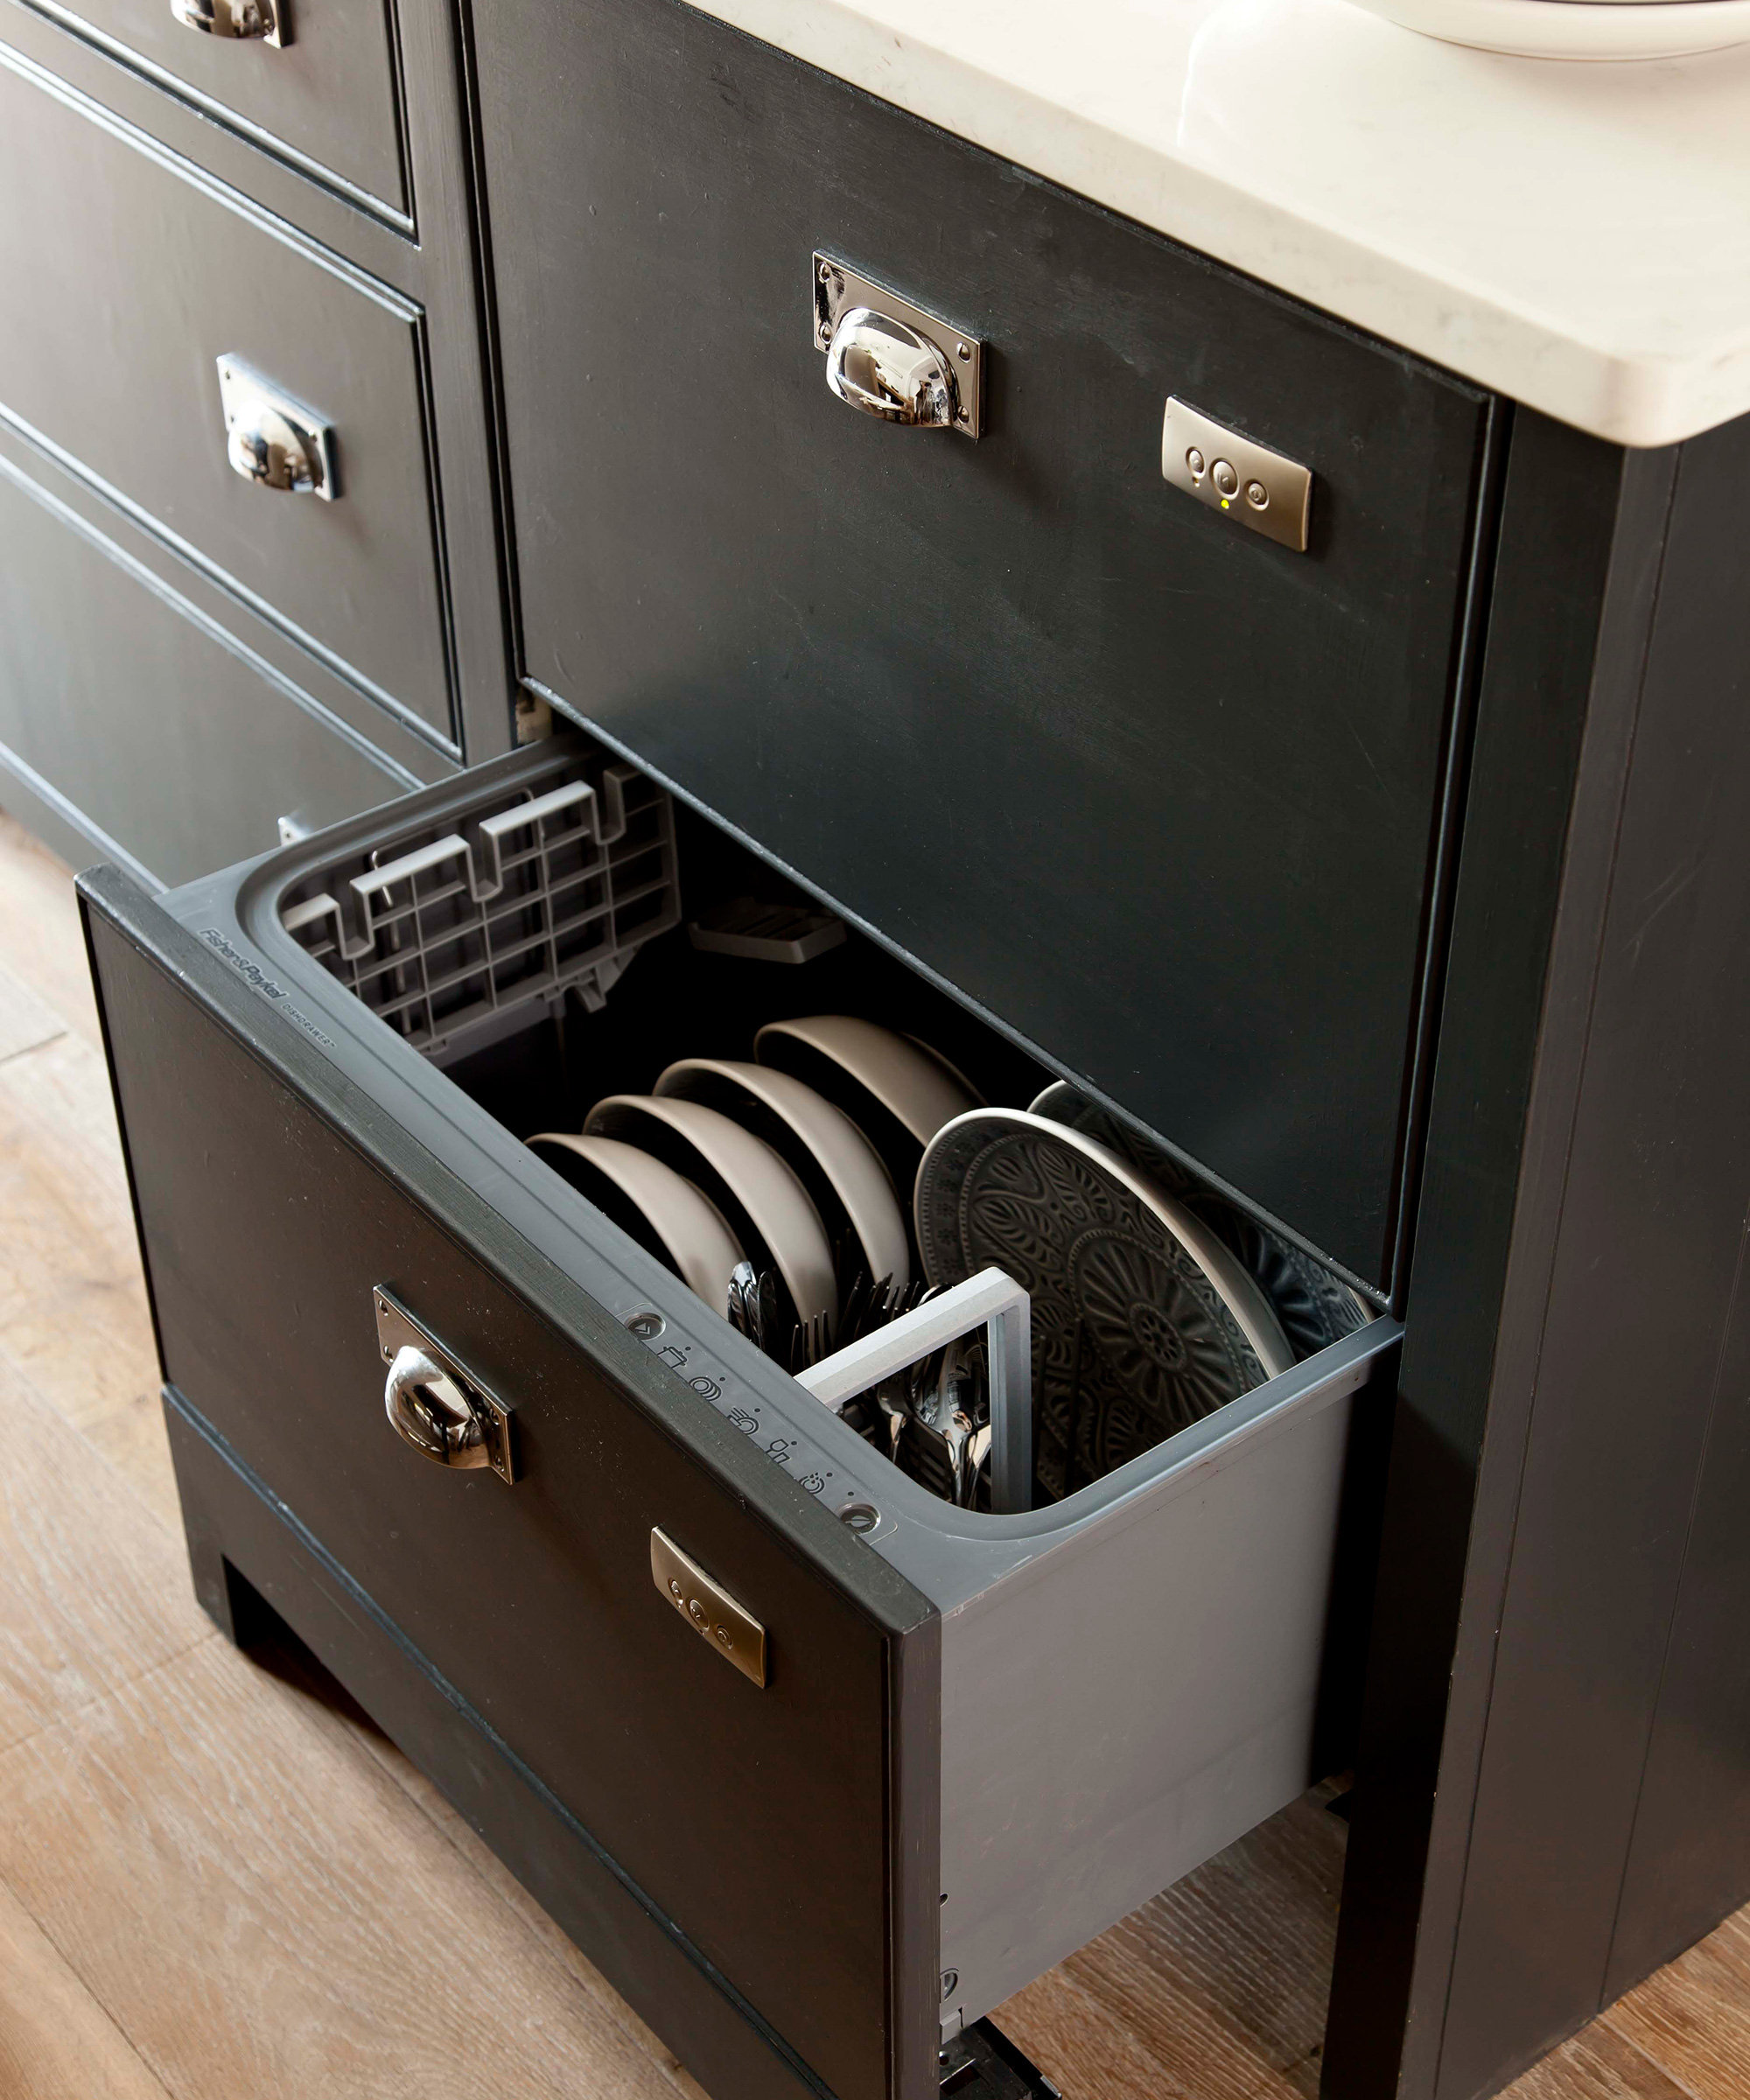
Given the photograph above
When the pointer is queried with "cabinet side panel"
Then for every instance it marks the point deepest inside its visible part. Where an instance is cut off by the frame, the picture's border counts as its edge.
(1575, 570)
(1684, 996)
(1656, 1181)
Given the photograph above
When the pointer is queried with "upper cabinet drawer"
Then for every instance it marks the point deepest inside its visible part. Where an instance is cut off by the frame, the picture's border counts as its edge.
(127, 278)
(1160, 793)
(314, 82)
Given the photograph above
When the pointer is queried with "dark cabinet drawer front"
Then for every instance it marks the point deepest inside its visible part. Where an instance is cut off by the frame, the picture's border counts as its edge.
(175, 745)
(760, 1821)
(1160, 793)
(127, 277)
(325, 99)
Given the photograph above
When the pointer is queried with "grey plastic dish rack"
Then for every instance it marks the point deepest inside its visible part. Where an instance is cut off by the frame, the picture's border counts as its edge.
(541, 889)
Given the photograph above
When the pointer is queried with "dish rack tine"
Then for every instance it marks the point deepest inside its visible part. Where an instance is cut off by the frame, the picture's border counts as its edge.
(493, 830)
(991, 1300)
(312, 911)
(614, 788)
(377, 882)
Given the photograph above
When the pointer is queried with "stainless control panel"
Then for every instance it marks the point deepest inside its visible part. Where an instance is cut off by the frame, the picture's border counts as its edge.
(1252, 483)
(708, 1608)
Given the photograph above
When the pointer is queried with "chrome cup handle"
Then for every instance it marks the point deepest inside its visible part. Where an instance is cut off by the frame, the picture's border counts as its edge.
(270, 438)
(427, 1408)
(269, 448)
(242, 18)
(888, 369)
(435, 1403)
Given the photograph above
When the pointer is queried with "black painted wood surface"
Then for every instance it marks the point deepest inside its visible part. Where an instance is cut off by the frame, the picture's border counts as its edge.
(151, 273)
(435, 274)
(1558, 1713)
(186, 743)
(1667, 1153)
(1448, 1521)
(328, 99)
(781, 1829)
(245, 1550)
(1160, 794)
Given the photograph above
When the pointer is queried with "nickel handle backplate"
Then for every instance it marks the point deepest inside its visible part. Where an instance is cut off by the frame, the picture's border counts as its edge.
(262, 20)
(893, 359)
(271, 439)
(435, 1405)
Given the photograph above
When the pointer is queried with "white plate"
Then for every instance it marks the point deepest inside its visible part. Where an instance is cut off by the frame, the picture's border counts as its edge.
(688, 1226)
(857, 1063)
(822, 1143)
(1576, 29)
(746, 1177)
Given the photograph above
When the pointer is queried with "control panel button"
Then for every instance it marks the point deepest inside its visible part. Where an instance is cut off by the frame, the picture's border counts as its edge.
(1265, 491)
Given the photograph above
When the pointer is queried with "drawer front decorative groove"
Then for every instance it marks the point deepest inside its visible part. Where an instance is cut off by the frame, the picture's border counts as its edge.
(332, 104)
(139, 271)
(226, 742)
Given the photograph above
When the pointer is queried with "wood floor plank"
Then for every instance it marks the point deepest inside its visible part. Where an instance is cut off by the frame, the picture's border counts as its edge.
(92, 1590)
(263, 1913)
(56, 2041)
(1692, 2017)
(1086, 2051)
(1246, 1943)
(24, 1021)
(133, 1438)
(40, 940)
(73, 1315)
(330, 1704)
(1598, 2064)
(1222, 1979)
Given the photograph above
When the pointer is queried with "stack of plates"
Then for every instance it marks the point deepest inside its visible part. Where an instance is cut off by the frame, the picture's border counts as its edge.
(1154, 1300)
(793, 1163)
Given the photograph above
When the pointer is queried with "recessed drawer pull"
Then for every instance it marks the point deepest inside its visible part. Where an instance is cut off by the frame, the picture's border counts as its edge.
(271, 439)
(262, 20)
(443, 1411)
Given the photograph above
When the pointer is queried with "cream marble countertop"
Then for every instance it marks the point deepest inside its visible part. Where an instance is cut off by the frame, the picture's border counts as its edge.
(1575, 235)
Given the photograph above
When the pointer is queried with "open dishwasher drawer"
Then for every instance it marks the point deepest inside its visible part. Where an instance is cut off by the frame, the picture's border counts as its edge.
(908, 1754)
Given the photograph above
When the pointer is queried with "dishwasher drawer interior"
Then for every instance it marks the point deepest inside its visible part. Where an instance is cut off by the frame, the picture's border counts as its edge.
(1081, 1700)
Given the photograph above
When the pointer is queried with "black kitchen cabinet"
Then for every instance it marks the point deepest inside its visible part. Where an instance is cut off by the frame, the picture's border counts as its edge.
(1396, 886)
(1166, 800)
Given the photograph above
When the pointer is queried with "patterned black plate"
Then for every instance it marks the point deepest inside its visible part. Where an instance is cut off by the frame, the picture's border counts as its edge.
(1141, 1324)
(1313, 1306)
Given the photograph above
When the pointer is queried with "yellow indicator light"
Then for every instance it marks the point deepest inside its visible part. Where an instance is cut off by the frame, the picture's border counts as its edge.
(1224, 502)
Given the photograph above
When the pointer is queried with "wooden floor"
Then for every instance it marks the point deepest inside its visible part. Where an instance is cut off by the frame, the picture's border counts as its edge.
(218, 1881)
